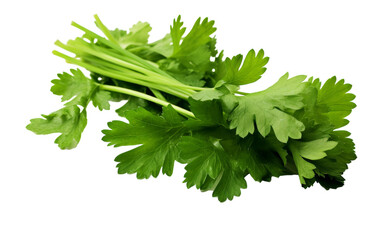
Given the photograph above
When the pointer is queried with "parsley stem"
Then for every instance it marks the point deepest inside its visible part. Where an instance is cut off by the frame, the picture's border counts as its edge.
(107, 33)
(75, 47)
(122, 77)
(153, 79)
(146, 74)
(158, 94)
(114, 68)
(104, 29)
(110, 59)
(118, 48)
(146, 97)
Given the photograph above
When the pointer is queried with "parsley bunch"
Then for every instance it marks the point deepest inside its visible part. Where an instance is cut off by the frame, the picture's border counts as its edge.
(182, 103)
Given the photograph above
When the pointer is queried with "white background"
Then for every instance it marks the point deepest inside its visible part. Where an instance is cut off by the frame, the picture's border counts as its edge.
(47, 193)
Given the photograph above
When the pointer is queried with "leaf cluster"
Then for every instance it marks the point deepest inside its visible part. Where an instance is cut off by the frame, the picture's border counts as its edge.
(294, 127)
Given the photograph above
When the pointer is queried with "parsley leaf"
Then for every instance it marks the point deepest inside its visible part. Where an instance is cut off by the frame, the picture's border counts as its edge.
(75, 86)
(158, 135)
(163, 46)
(270, 108)
(334, 101)
(206, 163)
(206, 158)
(208, 94)
(313, 150)
(176, 32)
(262, 158)
(190, 60)
(250, 70)
(335, 163)
(138, 35)
(199, 36)
(210, 112)
(80, 90)
(70, 121)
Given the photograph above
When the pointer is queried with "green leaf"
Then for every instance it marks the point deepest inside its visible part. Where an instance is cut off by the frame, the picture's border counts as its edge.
(337, 159)
(188, 74)
(197, 37)
(101, 100)
(138, 35)
(147, 160)
(315, 149)
(176, 32)
(208, 160)
(163, 46)
(158, 135)
(230, 185)
(304, 168)
(325, 108)
(80, 90)
(69, 121)
(191, 57)
(221, 90)
(264, 157)
(203, 160)
(208, 94)
(250, 70)
(133, 103)
(270, 109)
(330, 182)
(335, 102)
(210, 112)
(312, 150)
(75, 87)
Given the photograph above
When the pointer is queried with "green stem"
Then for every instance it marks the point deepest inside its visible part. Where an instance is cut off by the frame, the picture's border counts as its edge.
(76, 48)
(163, 75)
(104, 29)
(107, 33)
(112, 68)
(158, 94)
(146, 97)
(137, 48)
(130, 56)
(118, 48)
(146, 75)
(119, 76)
(152, 79)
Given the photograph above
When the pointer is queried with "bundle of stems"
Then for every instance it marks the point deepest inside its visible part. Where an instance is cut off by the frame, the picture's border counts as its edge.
(105, 57)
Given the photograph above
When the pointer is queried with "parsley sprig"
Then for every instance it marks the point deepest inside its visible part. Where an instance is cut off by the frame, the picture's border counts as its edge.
(183, 104)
